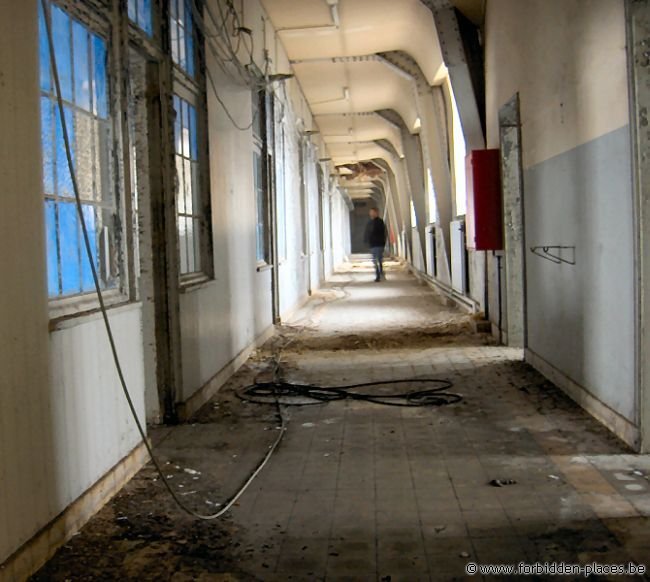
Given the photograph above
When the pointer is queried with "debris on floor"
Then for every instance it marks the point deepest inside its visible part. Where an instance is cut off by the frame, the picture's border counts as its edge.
(358, 491)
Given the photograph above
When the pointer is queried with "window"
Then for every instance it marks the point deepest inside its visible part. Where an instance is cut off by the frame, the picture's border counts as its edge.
(188, 197)
(259, 177)
(304, 208)
(182, 35)
(81, 58)
(433, 202)
(189, 107)
(140, 14)
(459, 152)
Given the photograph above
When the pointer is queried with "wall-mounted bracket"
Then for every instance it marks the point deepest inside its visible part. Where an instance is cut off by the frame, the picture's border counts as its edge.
(557, 254)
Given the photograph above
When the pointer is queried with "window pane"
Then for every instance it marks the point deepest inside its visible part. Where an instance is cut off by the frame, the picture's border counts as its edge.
(52, 253)
(62, 52)
(100, 86)
(189, 41)
(83, 129)
(180, 191)
(191, 266)
(182, 241)
(44, 51)
(133, 15)
(145, 16)
(63, 177)
(197, 244)
(178, 131)
(187, 176)
(47, 133)
(195, 188)
(194, 145)
(186, 129)
(69, 245)
(174, 34)
(81, 66)
(102, 165)
(87, 283)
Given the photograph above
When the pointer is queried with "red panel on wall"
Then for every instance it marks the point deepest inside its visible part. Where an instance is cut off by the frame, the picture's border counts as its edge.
(484, 205)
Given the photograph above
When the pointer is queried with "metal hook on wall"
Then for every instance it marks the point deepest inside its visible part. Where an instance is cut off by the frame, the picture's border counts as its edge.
(554, 253)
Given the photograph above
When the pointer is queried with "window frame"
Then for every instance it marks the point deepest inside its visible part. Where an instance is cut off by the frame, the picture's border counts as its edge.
(97, 19)
(192, 89)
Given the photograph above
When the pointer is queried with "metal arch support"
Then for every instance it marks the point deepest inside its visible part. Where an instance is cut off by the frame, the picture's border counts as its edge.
(453, 53)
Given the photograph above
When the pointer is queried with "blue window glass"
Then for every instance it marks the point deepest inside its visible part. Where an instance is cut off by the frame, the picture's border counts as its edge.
(68, 235)
(100, 81)
(141, 15)
(145, 16)
(63, 177)
(133, 10)
(61, 34)
(81, 59)
(81, 68)
(47, 131)
(44, 51)
(52, 248)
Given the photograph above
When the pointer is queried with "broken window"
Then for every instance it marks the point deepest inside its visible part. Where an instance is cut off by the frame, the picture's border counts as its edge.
(81, 58)
(140, 14)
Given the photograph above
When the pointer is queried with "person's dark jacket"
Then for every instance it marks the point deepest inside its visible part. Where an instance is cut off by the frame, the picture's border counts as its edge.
(376, 233)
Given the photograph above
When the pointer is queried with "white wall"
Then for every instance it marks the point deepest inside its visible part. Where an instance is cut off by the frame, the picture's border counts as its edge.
(577, 183)
(221, 318)
(63, 420)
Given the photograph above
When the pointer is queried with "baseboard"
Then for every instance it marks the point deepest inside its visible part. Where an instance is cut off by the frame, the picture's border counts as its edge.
(30, 557)
(619, 425)
(461, 301)
(186, 409)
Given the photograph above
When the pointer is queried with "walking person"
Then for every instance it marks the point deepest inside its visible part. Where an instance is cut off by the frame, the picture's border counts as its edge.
(376, 239)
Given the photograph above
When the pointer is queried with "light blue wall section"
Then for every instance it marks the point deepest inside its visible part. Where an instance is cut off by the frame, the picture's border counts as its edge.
(581, 318)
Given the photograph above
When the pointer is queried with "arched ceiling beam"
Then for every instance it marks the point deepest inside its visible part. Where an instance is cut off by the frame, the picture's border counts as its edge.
(309, 29)
(343, 128)
(357, 85)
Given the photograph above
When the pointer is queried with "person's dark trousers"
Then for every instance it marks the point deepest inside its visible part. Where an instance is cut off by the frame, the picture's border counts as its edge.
(378, 260)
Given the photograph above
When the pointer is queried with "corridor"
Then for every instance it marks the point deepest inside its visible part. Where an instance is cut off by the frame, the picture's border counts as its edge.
(361, 491)
(191, 194)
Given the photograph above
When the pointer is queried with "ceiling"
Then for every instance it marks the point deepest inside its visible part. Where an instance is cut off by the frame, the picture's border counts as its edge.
(333, 47)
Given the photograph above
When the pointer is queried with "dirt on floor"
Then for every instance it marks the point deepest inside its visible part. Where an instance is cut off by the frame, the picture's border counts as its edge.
(142, 535)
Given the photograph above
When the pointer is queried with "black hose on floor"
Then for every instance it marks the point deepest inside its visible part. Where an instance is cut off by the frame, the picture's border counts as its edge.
(296, 394)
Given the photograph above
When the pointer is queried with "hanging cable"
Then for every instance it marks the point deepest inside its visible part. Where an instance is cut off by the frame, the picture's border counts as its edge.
(107, 324)
(223, 105)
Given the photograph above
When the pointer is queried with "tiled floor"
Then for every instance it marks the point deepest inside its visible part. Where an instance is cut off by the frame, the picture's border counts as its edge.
(359, 491)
